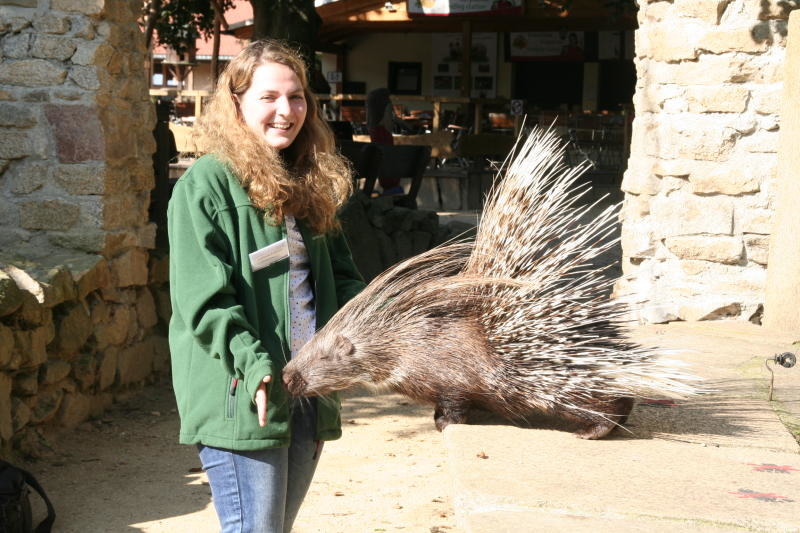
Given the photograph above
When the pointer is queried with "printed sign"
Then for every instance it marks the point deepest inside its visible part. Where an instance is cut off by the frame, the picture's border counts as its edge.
(447, 55)
(546, 46)
(444, 8)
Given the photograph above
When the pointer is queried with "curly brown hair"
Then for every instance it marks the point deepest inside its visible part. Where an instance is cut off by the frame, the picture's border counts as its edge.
(309, 179)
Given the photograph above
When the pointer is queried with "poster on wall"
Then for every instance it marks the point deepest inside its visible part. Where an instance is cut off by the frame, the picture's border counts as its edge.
(447, 55)
(444, 8)
(546, 46)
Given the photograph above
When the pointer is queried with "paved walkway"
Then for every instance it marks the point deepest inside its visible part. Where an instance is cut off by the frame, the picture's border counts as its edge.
(722, 462)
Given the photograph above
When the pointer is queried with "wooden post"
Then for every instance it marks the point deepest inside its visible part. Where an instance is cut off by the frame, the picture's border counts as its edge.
(437, 116)
(198, 105)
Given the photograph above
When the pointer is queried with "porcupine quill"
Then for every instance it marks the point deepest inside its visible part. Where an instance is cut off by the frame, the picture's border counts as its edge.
(519, 321)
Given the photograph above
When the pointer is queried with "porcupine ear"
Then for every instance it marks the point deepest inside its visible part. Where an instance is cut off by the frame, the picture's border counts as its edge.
(342, 347)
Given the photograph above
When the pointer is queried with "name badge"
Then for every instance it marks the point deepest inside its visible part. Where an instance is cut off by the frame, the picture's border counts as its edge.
(269, 254)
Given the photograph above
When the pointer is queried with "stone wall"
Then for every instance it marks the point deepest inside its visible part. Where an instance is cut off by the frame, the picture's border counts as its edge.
(75, 128)
(76, 334)
(699, 189)
(381, 233)
(82, 302)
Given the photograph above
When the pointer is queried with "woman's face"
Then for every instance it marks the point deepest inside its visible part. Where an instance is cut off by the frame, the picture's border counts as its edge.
(274, 106)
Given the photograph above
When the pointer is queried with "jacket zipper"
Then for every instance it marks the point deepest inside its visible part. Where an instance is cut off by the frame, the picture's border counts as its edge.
(230, 406)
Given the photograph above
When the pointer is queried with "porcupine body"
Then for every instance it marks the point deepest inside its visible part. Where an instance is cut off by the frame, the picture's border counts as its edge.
(517, 322)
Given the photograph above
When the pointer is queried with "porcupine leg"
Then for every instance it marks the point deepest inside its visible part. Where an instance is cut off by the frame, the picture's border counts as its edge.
(450, 411)
(615, 412)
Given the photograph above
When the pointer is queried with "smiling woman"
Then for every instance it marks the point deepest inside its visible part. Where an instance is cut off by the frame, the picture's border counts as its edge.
(256, 263)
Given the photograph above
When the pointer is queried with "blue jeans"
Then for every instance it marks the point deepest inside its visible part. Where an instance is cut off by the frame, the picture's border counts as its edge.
(261, 491)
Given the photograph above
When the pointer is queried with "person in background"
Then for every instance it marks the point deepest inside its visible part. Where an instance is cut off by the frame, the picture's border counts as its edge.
(257, 263)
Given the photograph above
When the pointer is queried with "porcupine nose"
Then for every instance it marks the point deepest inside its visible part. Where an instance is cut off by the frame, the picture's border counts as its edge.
(293, 382)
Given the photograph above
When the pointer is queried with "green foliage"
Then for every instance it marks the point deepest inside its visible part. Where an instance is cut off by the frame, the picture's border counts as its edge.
(178, 23)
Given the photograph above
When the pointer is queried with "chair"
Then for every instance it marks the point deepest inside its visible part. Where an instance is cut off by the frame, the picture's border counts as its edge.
(407, 161)
(342, 129)
(365, 159)
(483, 153)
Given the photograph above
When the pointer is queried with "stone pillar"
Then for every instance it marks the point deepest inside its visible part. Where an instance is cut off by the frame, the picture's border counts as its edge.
(700, 184)
(75, 128)
(783, 277)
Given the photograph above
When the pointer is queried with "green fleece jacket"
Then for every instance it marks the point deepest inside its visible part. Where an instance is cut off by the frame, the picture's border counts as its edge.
(230, 325)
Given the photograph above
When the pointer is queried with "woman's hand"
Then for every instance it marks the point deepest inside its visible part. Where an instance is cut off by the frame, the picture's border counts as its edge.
(261, 401)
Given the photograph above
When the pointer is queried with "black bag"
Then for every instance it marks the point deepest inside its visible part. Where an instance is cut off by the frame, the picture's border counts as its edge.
(15, 506)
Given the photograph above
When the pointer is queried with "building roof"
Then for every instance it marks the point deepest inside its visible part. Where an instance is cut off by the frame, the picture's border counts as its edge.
(240, 14)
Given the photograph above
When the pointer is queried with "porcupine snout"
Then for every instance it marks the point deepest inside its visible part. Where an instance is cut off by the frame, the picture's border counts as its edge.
(293, 381)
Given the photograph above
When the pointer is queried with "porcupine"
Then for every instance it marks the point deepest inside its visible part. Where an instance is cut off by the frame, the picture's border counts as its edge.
(517, 322)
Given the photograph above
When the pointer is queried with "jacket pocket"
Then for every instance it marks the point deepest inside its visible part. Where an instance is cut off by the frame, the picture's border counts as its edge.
(230, 399)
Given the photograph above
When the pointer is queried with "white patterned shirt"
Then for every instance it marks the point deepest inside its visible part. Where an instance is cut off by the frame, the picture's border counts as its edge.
(302, 316)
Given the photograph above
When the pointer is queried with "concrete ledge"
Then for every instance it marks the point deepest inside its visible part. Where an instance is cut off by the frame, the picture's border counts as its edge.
(719, 462)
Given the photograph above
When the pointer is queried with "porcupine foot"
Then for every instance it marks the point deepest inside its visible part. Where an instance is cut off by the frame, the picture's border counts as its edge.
(450, 411)
(615, 413)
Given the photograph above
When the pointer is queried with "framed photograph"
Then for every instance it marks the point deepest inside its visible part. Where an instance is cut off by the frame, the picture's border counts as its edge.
(405, 77)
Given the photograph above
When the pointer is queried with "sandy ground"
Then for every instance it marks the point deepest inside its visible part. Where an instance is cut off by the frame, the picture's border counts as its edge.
(126, 472)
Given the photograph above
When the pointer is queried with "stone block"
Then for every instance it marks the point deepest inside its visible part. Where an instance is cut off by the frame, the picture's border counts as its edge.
(107, 369)
(17, 46)
(92, 277)
(87, 7)
(31, 345)
(83, 28)
(85, 77)
(6, 422)
(54, 371)
(754, 220)
(73, 328)
(20, 414)
(26, 384)
(761, 142)
(47, 405)
(115, 331)
(159, 268)
(672, 43)
(125, 210)
(14, 144)
(146, 309)
(686, 214)
(163, 303)
(639, 179)
(95, 53)
(29, 178)
(10, 294)
(709, 11)
(708, 69)
(49, 285)
(731, 99)
(6, 346)
(84, 371)
(100, 403)
(729, 179)
(130, 268)
(86, 179)
(707, 248)
(52, 47)
(135, 362)
(53, 24)
(74, 410)
(32, 73)
(77, 131)
(403, 243)
(757, 248)
(49, 215)
(722, 41)
(17, 116)
(710, 308)
(637, 239)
